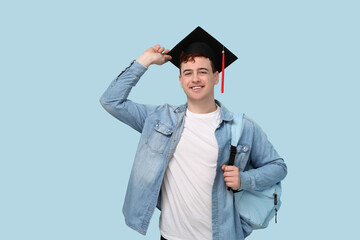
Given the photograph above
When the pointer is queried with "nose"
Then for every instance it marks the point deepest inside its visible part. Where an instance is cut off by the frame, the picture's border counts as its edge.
(195, 78)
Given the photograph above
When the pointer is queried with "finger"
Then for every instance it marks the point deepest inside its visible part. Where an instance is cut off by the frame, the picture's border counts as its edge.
(167, 57)
(223, 167)
(230, 184)
(156, 47)
(230, 179)
(230, 174)
(166, 51)
(161, 49)
(231, 168)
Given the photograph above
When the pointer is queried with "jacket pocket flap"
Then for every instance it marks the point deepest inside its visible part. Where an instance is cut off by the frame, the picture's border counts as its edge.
(162, 128)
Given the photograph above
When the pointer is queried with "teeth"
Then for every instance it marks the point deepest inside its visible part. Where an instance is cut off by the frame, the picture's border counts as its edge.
(196, 87)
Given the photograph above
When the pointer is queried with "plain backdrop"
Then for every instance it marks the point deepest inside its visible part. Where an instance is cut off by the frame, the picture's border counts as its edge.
(65, 162)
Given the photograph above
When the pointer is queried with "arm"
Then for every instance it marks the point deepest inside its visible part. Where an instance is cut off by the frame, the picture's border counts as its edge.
(269, 167)
(114, 99)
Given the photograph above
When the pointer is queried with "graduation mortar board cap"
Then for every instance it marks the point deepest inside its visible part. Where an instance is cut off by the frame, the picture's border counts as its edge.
(199, 41)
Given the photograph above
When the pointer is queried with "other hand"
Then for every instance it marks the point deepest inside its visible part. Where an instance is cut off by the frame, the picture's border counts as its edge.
(231, 177)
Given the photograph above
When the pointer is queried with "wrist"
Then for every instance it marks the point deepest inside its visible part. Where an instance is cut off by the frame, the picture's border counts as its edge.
(144, 60)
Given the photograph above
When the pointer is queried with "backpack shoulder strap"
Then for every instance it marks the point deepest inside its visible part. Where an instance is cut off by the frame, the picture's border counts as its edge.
(236, 128)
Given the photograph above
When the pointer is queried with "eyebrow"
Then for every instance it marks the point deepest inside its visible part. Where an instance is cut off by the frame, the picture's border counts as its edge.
(189, 70)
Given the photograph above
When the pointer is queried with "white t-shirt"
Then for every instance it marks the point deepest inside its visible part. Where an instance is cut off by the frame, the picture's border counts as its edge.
(186, 211)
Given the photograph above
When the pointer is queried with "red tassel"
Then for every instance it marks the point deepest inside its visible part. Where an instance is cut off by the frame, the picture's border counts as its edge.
(223, 70)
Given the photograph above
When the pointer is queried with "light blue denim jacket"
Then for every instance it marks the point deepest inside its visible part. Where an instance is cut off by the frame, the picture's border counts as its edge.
(161, 128)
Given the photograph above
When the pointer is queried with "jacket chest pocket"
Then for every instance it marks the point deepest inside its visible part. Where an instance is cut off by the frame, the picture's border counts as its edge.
(242, 156)
(159, 137)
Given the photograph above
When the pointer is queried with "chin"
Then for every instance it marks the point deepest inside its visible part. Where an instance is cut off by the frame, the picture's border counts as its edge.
(196, 98)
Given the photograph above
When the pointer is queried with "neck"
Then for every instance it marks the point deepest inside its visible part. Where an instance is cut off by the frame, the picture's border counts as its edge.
(202, 107)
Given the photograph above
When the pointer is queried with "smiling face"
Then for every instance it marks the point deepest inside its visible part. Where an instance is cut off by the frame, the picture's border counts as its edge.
(198, 80)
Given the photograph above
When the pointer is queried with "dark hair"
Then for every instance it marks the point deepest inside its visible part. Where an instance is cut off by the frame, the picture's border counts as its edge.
(184, 58)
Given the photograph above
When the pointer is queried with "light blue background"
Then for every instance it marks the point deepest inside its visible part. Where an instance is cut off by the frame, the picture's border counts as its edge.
(65, 162)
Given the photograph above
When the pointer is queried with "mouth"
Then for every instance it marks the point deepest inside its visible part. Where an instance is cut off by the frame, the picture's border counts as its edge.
(196, 87)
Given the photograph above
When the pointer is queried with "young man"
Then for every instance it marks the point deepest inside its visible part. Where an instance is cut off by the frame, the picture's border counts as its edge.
(181, 166)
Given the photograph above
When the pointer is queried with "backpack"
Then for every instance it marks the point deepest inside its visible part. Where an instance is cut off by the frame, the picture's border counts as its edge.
(256, 208)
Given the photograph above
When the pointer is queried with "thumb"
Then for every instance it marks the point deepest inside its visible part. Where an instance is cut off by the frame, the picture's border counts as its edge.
(168, 57)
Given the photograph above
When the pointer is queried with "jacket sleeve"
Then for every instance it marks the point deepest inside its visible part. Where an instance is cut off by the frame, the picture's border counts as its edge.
(115, 101)
(268, 167)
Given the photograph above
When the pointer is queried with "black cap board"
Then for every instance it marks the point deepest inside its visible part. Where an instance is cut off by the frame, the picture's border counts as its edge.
(199, 41)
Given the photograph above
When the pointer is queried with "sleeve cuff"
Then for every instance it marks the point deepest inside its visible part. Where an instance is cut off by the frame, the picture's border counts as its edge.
(137, 69)
(245, 181)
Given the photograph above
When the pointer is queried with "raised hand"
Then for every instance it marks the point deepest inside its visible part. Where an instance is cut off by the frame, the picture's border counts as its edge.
(154, 55)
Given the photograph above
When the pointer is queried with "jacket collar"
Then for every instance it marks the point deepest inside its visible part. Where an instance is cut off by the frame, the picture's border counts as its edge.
(226, 115)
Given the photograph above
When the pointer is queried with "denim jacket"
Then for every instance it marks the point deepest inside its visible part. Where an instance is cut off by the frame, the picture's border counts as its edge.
(161, 128)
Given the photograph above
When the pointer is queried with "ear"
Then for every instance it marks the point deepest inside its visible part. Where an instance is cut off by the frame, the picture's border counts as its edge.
(216, 77)
(180, 80)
